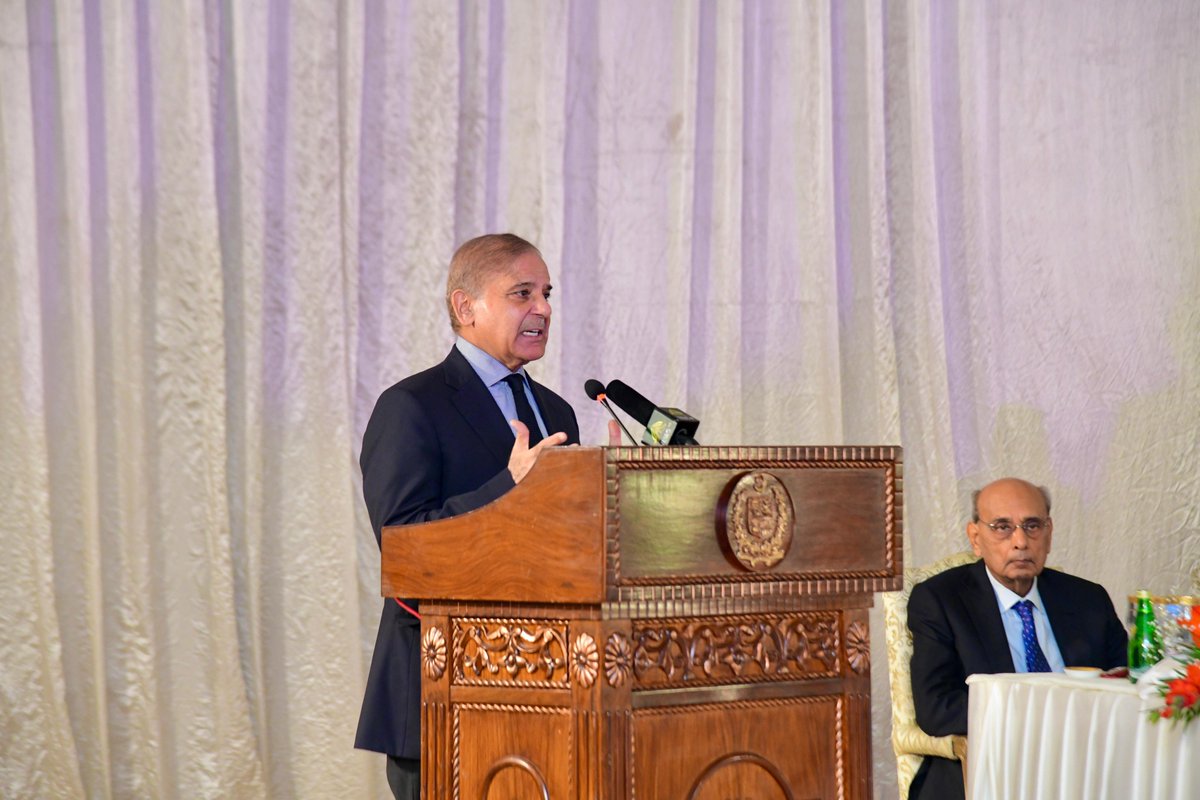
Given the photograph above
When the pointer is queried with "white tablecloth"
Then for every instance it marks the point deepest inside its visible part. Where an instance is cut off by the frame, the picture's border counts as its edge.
(1054, 737)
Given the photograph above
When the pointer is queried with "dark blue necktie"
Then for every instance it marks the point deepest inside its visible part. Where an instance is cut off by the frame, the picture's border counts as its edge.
(1035, 659)
(524, 411)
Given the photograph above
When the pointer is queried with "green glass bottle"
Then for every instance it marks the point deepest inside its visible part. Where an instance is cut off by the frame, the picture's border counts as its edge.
(1145, 645)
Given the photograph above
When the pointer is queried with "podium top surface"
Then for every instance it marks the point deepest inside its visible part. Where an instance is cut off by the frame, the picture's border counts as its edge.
(639, 526)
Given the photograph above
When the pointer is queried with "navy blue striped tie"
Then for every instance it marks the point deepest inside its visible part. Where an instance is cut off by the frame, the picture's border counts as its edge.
(1035, 659)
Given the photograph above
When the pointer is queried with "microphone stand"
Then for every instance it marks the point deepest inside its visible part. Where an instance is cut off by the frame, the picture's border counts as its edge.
(604, 402)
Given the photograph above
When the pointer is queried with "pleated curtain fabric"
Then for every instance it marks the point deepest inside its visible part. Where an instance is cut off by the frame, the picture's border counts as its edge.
(965, 228)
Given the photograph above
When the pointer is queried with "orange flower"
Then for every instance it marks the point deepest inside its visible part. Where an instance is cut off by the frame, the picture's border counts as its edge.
(1183, 699)
(1193, 674)
(1166, 712)
(1182, 686)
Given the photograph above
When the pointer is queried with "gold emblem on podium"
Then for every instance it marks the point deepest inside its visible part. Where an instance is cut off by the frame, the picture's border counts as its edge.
(755, 519)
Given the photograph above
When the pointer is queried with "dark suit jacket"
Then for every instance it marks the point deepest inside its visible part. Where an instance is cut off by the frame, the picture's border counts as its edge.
(436, 446)
(957, 632)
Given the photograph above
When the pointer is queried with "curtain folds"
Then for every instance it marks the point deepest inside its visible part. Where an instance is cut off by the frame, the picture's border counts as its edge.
(969, 229)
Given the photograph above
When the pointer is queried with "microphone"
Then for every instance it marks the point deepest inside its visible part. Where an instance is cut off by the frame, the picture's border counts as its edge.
(663, 425)
(595, 390)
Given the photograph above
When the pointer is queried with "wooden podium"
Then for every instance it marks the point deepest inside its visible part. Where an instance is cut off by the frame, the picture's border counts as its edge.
(656, 623)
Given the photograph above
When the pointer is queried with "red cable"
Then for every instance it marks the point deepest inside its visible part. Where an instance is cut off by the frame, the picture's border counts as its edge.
(406, 607)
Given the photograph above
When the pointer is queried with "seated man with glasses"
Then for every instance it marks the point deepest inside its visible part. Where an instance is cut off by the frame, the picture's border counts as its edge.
(1004, 613)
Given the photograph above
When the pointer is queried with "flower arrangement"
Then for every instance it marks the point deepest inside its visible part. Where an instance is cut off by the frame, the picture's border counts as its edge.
(1181, 695)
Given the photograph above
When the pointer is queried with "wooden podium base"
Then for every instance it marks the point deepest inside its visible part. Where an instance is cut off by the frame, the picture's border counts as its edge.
(667, 624)
(705, 708)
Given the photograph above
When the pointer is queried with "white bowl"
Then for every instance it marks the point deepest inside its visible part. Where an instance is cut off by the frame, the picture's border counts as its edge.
(1083, 672)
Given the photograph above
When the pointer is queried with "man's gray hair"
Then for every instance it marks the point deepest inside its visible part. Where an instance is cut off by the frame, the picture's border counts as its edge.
(477, 260)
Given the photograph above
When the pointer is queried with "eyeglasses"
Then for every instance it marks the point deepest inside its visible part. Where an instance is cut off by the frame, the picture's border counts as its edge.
(1033, 527)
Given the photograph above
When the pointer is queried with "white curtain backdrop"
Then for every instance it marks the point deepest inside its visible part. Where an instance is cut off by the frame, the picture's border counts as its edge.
(972, 229)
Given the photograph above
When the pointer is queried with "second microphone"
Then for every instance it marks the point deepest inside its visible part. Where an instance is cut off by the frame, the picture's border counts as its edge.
(663, 425)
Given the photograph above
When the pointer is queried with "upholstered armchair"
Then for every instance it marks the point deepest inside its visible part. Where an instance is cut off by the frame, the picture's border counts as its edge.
(908, 740)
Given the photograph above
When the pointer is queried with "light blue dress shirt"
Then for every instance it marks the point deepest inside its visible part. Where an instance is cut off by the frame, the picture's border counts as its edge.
(1006, 598)
(493, 373)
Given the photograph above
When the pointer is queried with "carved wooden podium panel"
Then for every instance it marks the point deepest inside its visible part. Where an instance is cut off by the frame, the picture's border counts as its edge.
(656, 623)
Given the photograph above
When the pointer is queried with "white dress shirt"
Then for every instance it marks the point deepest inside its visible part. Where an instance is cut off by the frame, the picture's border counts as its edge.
(1006, 598)
(493, 373)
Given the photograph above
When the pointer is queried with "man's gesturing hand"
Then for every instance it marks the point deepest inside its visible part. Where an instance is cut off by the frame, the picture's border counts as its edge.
(523, 457)
(614, 433)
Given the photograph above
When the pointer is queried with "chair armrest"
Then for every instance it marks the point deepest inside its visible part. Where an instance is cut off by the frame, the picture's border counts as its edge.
(960, 750)
(959, 744)
(911, 739)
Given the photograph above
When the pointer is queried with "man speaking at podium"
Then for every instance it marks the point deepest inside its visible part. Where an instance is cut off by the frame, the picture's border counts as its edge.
(449, 440)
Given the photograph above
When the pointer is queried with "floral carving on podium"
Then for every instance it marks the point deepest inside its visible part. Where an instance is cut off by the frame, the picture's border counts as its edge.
(736, 649)
(528, 653)
(858, 647)
(618, 660)
(433, 653)
(585, 660)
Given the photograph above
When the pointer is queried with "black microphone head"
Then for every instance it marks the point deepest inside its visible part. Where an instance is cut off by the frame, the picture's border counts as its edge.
(594, 388)
(633, 403)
